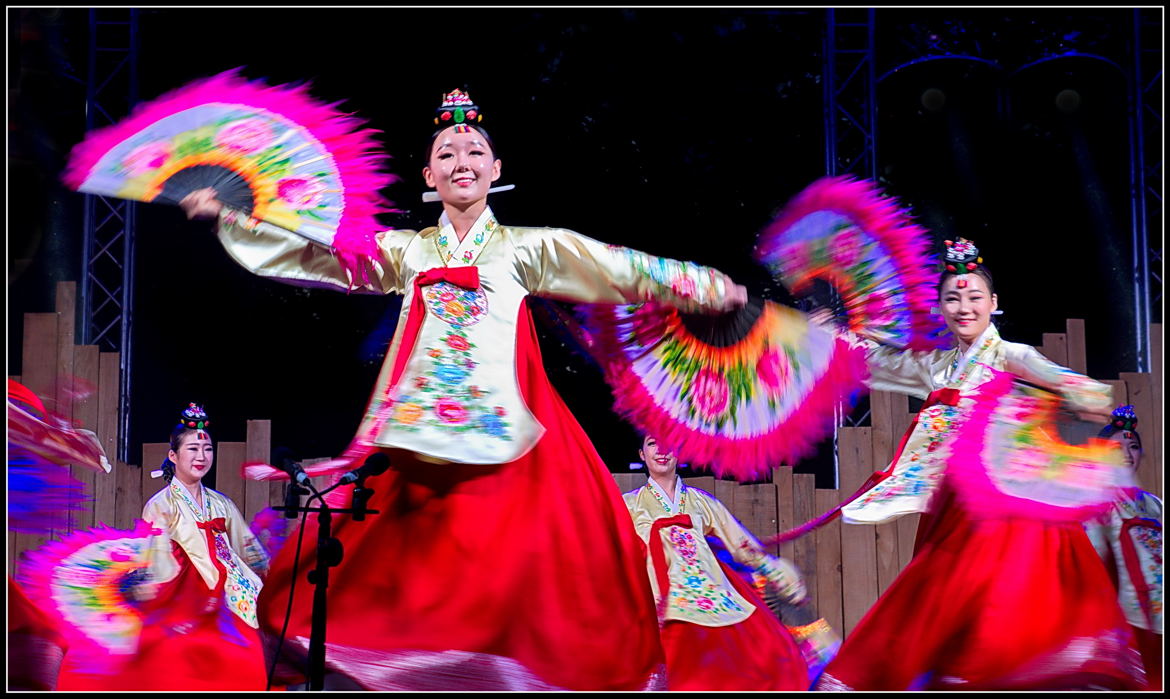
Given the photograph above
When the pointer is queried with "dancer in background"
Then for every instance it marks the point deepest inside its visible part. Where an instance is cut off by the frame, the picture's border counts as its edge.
(717, 632)
(1129, 541)
(197, 599)
(494, 486)
(988, 602)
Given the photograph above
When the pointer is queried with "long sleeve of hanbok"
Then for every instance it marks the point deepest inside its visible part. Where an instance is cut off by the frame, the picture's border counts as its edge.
(162, 566)
(562, 264)
(271, 251)
(746, 549)
(1079, 390)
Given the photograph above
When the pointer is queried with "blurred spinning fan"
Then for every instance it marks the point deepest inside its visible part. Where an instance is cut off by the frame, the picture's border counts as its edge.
(742, 392)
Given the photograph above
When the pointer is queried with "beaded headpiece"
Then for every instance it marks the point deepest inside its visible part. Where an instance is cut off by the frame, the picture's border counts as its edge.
(1125, 419)
(459, 111)
(961, 258)
(457, 108)
(194, 418)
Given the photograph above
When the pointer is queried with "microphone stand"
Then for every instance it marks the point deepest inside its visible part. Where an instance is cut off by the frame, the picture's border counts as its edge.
(329, 555)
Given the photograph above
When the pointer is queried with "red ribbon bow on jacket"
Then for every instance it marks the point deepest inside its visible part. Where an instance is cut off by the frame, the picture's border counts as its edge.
(217, 525)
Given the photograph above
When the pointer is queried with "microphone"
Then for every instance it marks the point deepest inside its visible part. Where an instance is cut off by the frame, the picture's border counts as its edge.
(375, 465)
(285, 461)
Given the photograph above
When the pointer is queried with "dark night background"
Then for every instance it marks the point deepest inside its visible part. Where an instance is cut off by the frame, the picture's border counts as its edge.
(679, 132)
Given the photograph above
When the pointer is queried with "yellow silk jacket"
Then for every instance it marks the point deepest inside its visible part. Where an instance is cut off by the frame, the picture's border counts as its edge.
(173, 511)
(920, 466)
(699, 592)
(458, 399)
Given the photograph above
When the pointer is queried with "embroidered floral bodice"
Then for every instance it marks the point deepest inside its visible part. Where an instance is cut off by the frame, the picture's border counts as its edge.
(699, 592)
(458, 399)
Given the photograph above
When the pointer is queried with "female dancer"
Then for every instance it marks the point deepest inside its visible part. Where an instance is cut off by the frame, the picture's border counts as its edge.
(1129, 541)
(199, 628)
(987, 602)
(494, 485)
(717, 632)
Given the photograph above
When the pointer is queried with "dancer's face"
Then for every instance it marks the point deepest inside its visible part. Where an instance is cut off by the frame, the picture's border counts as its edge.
(660, 463)
(1131, 449)
(193, 458)
(462, 166)
(967, 310)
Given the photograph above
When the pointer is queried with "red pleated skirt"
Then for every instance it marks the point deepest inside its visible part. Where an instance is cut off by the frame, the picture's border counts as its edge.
(525, 575)
(190, 641)
(757, 654)
(992, 604)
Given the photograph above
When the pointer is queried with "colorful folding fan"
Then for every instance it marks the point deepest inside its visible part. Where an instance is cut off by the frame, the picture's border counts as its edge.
(740, 393)
(83, 583)
(1010, 458)
(842, 231)
(272, 152)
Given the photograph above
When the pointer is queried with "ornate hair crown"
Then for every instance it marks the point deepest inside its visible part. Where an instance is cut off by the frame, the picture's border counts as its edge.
(457, 108)
(961, 258)
(194, 418)
(1124, 418)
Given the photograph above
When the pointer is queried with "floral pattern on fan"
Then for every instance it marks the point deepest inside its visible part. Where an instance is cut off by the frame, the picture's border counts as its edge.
(740, 409)
(842, 231)
(307, 166)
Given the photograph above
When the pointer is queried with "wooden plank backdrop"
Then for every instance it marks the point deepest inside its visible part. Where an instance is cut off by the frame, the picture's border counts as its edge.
(846, 566)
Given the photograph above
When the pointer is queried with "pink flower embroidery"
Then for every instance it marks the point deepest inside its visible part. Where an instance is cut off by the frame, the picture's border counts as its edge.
(301, 192)
(710, 394)
(683, 287)
(705, 604)
(773, 370)
(846, 248)
(247, 135)
(456, 342)
(450, 411)
(147, 157)
(500, 411)
(446, 297)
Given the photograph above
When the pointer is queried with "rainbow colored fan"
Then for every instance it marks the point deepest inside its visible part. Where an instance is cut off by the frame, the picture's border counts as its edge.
(272, 152)
(1019, 453)
(740, 393)
(843, 232)
(83, 582)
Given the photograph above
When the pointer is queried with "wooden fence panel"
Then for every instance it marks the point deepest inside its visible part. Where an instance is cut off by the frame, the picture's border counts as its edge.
(785, 519)
(106, 506)
(85, 415)
(229, 456)
(628, 481)
(829, 563)
(858, 542)
(804, 549)
(259, 448)
(1075, 334)
(1055, 347)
